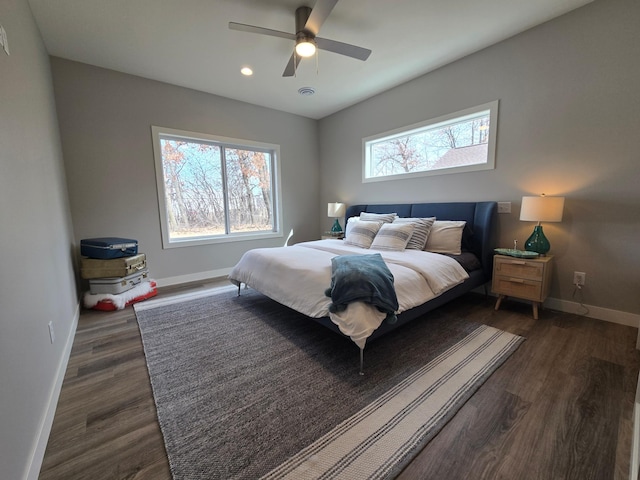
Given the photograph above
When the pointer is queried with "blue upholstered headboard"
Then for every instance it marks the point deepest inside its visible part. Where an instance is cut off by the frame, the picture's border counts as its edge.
(479, 236)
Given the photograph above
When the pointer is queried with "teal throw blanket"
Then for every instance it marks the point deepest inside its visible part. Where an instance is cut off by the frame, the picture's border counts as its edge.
(362, 278)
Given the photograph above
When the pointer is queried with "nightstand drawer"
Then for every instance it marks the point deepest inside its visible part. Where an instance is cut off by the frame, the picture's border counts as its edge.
(518, 268)
(518, 287)
(528, 279)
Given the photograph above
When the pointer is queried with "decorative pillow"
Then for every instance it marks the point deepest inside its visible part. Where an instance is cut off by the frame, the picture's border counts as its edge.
(350, 222)
(393, 236)
(378, 217)
(362, 233)
(421, 229)
(445, 237)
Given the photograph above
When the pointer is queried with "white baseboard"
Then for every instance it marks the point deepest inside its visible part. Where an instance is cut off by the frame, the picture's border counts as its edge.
(606, 314)
(37, 455)
(192, 277)
(599, 313)
(635, 438)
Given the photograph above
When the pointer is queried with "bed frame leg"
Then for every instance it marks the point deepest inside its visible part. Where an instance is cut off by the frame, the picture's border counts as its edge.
(362, 361)
(239, 286)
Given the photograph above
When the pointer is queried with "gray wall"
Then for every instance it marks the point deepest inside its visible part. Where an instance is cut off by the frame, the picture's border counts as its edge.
(36, 276)
(105, 122)
(568, 119)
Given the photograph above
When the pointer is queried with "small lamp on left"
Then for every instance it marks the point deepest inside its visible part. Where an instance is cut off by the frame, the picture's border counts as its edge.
(336, 210)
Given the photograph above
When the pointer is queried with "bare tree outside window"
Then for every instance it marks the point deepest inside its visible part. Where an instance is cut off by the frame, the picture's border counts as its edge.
(249, 180)
(461, 141)
(213, 189)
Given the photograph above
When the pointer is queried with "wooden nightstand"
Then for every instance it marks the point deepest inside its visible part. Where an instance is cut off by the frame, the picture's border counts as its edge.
(527, 279)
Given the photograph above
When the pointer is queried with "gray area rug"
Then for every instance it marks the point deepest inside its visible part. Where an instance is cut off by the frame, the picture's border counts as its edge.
(243, 384)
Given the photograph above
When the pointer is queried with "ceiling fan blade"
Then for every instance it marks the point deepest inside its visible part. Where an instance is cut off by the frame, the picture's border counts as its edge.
(260, 30)
(290, 69)
(319, 14)
(343, 48)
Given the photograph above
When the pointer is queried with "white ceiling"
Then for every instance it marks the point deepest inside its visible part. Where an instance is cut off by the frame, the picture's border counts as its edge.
(188, 42)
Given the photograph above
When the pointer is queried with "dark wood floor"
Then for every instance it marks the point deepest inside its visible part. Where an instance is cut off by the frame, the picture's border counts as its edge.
(560, 408)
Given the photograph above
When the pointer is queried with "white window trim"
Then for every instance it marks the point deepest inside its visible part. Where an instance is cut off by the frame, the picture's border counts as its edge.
(491, 144)
(228, 238)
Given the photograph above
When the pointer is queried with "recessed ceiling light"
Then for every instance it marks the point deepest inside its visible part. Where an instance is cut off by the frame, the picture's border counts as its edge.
(246, 71)
(306, 91)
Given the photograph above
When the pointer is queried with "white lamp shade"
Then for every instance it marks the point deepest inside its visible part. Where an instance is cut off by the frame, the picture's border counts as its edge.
(336, 210)
(542, 209)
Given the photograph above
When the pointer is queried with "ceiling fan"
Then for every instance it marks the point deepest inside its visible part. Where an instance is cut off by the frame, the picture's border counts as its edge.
(308, 23)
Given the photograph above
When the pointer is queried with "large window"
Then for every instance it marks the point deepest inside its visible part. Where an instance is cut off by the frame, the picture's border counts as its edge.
(214, 189)
(460, 142)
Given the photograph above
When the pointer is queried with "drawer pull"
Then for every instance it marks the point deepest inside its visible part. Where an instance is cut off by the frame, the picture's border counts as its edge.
(518, 262)
(516, 280)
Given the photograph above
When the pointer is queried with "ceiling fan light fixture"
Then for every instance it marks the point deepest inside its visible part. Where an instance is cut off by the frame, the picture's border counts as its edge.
(308, 22)
(305, 47)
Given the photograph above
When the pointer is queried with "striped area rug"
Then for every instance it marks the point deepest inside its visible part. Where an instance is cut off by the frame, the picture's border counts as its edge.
(246, 388)
(372, 443)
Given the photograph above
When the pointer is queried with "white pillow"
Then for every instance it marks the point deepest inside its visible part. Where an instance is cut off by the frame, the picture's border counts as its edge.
(362, 233)
(378, 217)
(422, 227)
(350, 223)
(445, 237)
(393, 236)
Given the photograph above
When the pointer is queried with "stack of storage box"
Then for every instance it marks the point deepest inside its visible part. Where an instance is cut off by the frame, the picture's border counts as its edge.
(117, 273)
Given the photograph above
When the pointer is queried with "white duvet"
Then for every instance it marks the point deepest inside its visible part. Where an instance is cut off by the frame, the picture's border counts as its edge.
(298, 276)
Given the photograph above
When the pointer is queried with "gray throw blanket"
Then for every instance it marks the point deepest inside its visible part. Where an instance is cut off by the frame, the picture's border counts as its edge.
(362, 278)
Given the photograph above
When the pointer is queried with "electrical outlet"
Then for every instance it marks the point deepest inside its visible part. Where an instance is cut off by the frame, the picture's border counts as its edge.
(51, 334)
(504, 207)
(579, 278)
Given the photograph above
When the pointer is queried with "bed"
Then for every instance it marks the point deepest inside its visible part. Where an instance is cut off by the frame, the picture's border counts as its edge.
(300, 276)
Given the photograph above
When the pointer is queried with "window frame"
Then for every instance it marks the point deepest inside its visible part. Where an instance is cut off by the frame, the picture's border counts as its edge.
(491, 107)
(223, 142)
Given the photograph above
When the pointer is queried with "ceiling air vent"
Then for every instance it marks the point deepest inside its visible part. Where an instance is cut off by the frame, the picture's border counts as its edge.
(306, 91)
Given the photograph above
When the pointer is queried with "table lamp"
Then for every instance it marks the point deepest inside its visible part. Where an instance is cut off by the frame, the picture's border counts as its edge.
(336, 210)
(540, 209)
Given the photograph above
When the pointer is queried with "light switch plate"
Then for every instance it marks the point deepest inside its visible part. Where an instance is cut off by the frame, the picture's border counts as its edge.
(504, 207)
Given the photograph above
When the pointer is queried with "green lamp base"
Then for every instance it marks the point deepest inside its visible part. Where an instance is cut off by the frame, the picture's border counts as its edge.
(537, 242)
(336, 227)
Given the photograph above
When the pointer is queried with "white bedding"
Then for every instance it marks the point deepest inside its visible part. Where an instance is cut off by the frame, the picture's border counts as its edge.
(297, 276)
